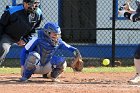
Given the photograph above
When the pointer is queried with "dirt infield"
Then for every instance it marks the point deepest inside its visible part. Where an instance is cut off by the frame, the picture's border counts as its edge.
(70, 83)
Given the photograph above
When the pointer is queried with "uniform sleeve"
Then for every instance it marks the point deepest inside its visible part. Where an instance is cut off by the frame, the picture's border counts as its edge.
(31, 44)
(23, 56)
(72, 49)
(29, 47)
(4, 21)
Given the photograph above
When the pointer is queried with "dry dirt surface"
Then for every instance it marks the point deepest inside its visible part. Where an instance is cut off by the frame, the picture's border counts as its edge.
(70, 83)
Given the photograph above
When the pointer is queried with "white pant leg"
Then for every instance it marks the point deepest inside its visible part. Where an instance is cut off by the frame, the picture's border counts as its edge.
(64, 65)
(47, 68)
(137, 65)
(43, 69)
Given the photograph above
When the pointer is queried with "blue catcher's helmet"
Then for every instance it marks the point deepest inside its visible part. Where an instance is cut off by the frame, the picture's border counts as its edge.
(52, 27)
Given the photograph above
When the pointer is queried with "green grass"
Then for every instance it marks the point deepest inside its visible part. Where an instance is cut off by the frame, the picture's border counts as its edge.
(105, 69)
(9, 70)
(85, 70)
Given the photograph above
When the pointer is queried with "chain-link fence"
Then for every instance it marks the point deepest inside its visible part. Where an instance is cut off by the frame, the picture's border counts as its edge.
(88, 25)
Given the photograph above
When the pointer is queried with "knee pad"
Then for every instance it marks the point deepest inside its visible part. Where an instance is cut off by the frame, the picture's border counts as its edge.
(32, 60)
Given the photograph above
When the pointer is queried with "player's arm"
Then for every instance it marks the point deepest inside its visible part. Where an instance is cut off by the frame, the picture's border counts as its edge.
(25, 51)
(72, 49)
(29, 47)
(77, 62)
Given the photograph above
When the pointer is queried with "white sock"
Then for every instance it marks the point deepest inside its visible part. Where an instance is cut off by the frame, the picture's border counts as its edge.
(137, 65)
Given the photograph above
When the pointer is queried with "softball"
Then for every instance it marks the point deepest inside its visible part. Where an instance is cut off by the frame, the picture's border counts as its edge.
(106, 62)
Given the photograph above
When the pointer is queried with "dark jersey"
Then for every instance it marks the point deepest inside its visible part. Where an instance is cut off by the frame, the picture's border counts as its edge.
(17, 23)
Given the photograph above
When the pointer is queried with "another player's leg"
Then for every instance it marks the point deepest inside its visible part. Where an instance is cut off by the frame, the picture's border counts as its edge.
(136, 78)
(30, 66)
(5, 44)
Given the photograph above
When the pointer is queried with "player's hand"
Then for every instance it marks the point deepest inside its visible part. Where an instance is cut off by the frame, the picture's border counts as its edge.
(125, 8)
(21, 43)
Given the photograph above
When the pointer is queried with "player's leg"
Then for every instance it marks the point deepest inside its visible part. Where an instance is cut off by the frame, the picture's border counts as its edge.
(54, 68)
(57, 71)
(43, 69)
(58, 66)
(136, 78)
(30, 65)
(5, 44)
(46, 71)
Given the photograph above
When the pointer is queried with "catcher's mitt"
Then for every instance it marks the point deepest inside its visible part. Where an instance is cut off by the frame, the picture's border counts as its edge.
(77, 64)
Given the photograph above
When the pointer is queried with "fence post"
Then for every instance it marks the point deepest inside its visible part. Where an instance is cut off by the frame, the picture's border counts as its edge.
(113, 32)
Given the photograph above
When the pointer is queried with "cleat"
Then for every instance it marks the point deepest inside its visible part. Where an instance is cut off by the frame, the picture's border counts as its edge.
(48, 76)
(135, 79)
(23, 79)
(55, 80)
(45, 76)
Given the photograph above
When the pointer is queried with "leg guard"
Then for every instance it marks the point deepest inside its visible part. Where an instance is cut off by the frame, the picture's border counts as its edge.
(29, 67)
(58, 66)
(56, 72)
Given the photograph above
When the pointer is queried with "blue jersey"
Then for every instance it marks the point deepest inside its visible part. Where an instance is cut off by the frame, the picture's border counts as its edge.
(45, 47)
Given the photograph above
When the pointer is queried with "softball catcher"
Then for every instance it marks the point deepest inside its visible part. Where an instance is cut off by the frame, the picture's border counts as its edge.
(39, 55)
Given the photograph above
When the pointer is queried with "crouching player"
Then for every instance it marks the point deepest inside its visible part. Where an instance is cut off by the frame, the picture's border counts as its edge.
(39, 54)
